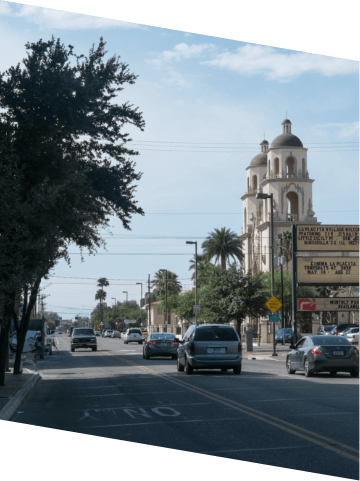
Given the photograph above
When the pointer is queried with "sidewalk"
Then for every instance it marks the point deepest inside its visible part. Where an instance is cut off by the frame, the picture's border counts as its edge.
(15, 390)
(264, 352)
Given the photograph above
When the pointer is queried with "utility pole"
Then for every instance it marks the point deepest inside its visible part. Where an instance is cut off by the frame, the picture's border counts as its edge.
(166, 311)
(149, 302)
(195, 242)
(282, 287)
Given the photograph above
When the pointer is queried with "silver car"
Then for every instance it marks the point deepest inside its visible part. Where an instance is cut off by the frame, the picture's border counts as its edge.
(160, 344)
(210, 346)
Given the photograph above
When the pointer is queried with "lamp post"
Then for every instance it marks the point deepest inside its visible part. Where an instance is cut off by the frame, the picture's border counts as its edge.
(126, 292)
(270, 196)
(166, 313)
(140, 284)
(195, 242)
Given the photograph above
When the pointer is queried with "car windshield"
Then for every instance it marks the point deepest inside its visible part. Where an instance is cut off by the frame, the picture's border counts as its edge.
(287, 330)
(328, 328)
(215, 333)
(162, 337)
(330, 341)
(134, 331)
(83, 332)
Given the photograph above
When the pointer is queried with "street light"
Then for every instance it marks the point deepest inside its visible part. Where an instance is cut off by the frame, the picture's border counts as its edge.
(270, 196)
(195, 242)
(126, 292)
(166, 313)
(140, 284)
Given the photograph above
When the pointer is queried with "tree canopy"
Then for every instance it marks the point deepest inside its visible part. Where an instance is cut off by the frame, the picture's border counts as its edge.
(223, 245)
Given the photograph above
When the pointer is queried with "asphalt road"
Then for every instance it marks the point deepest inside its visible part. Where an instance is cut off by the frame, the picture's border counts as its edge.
(262, 416)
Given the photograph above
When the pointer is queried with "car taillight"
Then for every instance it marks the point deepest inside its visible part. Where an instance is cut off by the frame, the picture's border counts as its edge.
(356, 350)
(317, 350)
(152, 342)
(239, 346)
(191, 347)
(175, 342)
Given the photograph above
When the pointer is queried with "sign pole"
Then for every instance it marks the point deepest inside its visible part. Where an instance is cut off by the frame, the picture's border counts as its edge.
(294, 275)
(272, 263)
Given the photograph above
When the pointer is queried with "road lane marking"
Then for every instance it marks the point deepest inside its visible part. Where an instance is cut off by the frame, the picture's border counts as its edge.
(146, 406)
(163, 423)
(252, 449)
(286, 426)
(128, 393)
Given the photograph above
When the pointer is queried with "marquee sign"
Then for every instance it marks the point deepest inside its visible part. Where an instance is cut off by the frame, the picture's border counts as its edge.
(328, 270)
(328, 238)
(328, 304)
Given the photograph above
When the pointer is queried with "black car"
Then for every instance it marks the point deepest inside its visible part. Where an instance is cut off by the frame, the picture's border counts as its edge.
(160, 344)
(342, 327)
(83, 337)
(288, 335)
(323, 354)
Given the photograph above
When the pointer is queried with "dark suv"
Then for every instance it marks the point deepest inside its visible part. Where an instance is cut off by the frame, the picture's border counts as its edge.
(83, 337)
(210, 346)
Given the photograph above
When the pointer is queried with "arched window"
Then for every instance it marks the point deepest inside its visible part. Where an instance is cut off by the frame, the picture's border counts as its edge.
(276, 167)
(254, 183)
(290, 166)
(303, 168)
(292, 206)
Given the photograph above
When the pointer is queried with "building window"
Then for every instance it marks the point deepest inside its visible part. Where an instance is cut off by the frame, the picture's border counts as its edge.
(292, 206)
(254, 183)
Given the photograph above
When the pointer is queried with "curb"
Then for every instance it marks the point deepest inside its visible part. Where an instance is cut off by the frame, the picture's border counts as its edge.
(264, 358)
(11, 406)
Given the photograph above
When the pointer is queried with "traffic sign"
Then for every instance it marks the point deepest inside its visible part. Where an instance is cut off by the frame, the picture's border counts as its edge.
(273, 304)
(274, 318)
(98, 327)
(196, 309)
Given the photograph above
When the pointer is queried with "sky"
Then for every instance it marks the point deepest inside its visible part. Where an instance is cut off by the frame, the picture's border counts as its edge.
(207, 102)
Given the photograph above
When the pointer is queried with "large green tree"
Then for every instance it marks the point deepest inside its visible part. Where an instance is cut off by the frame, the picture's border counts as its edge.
(65, 151)
(223, 245)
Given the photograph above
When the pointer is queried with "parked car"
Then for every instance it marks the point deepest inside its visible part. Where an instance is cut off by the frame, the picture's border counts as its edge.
(59, 332)
(353, 338)
(108, 333)
(342, 327)
(133, 335)
(210, 346)
(323, 354)
(83, 337)
(349, 330)
(160, 344)
(115, 334)
(97, 333)
(288, 335)
(325, 330)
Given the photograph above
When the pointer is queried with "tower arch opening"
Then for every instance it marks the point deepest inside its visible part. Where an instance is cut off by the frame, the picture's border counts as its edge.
(276, 167)
(245, 221)
(254, 183)
(303, 168)
(290, 167)
(292, 206)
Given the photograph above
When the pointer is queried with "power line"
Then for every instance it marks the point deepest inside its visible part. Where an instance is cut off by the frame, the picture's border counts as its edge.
(231, 143)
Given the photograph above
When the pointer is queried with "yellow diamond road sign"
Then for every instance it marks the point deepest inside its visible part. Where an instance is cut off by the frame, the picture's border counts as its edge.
(273, 304)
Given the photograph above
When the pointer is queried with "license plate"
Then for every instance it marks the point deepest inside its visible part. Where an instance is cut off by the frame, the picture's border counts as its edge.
(164, 344)
(338, 353)
(216, 350)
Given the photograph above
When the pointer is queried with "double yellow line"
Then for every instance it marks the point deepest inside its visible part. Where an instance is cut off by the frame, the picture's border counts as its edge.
(315, 438)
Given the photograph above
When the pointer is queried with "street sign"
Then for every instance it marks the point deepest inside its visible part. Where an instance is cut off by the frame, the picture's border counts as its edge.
(329, 304)
(274, 318)
(328, 270)
(196, 309)
(98, 327)
(327, 238)
(273, 304)
(130, 321)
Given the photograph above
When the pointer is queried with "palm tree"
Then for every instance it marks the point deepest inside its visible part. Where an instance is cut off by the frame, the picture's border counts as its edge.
(102, 282)
(223, 244)
(166, 279)
(200, 259)
(287, 247)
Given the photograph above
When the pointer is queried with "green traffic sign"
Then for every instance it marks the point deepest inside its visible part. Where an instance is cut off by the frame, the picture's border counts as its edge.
(274, 318)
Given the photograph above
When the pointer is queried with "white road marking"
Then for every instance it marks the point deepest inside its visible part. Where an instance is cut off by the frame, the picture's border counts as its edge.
(158, 410)
(129, 393)
(146, 406)
(141, 412)
(87, 415)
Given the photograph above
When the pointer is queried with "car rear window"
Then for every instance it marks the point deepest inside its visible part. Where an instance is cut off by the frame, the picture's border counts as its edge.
(161, 337)
(329, 340)
(215, 334)
(134, 331)
(328, 328)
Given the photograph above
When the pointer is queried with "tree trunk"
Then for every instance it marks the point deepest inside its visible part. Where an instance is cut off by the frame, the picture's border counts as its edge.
(223, 261)
(4, 334)
(24, 324)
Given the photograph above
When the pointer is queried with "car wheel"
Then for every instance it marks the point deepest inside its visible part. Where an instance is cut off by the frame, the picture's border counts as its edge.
(94, 348)
(333, 373)
(125, 342)
(237, 369)
(308, 372)
(50, 352)
(354, 373)
(179, 366)
(288, 367)
(72, 349)
(224, 369)
(147, 357)
(188, 368)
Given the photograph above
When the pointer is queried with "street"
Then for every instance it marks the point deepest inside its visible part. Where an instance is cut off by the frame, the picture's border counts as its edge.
(262, 416)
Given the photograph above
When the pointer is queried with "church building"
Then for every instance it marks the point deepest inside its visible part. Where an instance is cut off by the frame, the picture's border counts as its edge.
(281, 169)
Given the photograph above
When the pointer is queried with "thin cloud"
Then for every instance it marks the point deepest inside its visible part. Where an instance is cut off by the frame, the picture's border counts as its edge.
(343, 130)
(58, 19)
(278, 65)
(183, 51)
